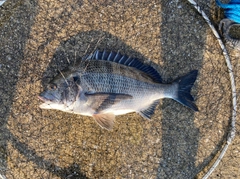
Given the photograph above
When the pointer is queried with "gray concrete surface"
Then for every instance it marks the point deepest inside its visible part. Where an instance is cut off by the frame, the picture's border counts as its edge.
(38, 38)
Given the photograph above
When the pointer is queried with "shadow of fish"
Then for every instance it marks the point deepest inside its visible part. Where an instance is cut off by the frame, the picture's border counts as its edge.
(106, 84)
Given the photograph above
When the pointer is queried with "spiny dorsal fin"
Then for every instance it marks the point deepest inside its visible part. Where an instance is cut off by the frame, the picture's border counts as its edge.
(127, 61)
(149, 110)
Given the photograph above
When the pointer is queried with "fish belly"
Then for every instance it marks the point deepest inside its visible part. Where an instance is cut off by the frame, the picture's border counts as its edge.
(119, 111)
(136, 104)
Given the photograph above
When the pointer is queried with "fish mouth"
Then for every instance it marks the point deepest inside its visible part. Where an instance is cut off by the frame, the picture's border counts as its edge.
(46, 103)
(42, 99)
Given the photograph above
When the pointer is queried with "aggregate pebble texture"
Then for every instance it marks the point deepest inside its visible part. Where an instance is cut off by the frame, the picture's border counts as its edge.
(40, 38)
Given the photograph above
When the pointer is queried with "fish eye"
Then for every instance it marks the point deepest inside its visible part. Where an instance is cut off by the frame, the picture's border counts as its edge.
(52, 86)
(76, 78)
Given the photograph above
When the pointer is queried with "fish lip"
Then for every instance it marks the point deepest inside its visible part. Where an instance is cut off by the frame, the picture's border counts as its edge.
(42, 99)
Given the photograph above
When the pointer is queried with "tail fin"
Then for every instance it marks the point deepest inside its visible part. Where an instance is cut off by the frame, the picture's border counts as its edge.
(185, 84)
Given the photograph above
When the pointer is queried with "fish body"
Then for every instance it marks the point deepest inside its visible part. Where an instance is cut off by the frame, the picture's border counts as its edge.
(106, 84)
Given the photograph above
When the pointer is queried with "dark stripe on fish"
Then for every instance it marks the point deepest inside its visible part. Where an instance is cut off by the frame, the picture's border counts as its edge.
(101, 101)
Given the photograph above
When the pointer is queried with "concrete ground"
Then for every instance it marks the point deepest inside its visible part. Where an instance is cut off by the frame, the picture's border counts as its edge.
(39, 38)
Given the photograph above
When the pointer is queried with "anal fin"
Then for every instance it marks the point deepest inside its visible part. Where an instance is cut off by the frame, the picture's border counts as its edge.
(105, 120)
(149, 110)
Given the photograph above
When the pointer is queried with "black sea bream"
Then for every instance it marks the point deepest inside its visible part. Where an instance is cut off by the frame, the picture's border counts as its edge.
(106, 84)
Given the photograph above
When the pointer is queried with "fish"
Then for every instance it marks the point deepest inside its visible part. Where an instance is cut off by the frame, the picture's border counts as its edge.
(106, 84)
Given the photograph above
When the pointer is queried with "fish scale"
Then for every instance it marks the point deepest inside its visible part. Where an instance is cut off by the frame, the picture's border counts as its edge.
(106, 84)
(113, 83)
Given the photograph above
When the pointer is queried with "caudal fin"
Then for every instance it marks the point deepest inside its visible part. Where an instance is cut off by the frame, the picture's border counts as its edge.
(185, 84)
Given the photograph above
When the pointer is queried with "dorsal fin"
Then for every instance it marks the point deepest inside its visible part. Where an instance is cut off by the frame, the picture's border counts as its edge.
(127, 61)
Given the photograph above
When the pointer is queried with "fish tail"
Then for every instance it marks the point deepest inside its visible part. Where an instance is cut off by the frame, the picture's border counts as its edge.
(185, 84)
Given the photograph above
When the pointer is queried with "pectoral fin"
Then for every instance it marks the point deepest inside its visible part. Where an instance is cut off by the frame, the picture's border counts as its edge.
(101, 101)
(105, 120)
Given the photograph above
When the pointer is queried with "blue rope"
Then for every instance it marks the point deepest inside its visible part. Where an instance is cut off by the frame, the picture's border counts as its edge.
(231, 10)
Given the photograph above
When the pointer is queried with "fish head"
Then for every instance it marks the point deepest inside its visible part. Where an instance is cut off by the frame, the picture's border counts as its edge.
(61, 93)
